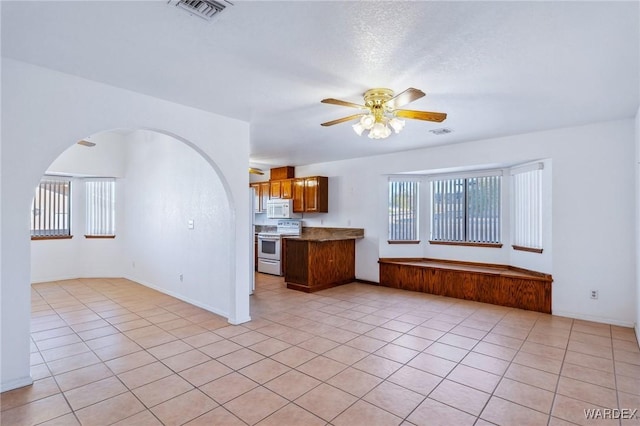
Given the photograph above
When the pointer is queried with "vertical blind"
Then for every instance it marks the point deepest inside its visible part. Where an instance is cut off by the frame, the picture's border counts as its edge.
(466, 209)
(51, 209)
(448, 207)
(403, 210)
(527, 207)
(100, 207)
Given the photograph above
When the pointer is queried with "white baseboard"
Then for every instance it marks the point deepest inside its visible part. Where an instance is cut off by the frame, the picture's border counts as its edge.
(63, 278)
(234, 321)
(237, 321)
(593, 318)
(181, 297)
(16, 383)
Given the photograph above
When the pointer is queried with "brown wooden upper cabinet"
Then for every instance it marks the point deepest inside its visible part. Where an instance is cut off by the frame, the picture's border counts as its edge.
(282, 188)
(276, 187)
(264, 195)
(286, 188)
(311, 194)
(261, 196)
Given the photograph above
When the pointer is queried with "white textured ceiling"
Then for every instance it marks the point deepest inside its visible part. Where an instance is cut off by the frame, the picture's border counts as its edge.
(496, 68)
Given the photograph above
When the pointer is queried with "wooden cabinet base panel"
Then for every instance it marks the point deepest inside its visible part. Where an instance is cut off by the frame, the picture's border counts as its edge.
(313, 265)
(312, 289)
(497, 284)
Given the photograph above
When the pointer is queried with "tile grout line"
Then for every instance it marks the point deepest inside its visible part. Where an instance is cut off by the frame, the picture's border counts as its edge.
(402, 305)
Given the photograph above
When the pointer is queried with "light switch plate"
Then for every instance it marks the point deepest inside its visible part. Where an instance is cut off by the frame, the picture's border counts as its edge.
(190, 224)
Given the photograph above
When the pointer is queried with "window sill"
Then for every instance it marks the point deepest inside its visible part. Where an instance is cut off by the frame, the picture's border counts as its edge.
(403, 241)
(467, 244)
(529, 249)
(51, 237)
(99, 236)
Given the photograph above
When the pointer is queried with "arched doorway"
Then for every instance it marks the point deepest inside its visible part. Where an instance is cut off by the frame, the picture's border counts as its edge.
(49, 112)
(172, 218)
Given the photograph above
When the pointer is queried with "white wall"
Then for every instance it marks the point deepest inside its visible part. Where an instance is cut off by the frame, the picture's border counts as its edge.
(49, 112)
(591, 213)
(168, 184)
(637, 197)
(79, 257)
(107, 158)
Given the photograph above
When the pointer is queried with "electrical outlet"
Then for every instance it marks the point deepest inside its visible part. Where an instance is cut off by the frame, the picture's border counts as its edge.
(181, 277)
(133, 264)
(594, 294)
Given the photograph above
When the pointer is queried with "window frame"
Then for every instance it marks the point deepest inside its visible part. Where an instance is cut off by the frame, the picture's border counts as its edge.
(414, 237)
(107, 215)
(520, 241)
(465, 177)
(48, 233)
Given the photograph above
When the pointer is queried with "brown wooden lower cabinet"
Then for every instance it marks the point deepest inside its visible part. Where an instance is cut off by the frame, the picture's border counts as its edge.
(314, 265)
(497, 284)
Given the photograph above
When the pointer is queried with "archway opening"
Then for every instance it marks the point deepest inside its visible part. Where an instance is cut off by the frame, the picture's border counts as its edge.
(173, 212)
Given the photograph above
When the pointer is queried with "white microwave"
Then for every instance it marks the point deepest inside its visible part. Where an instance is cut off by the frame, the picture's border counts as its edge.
(280, 209)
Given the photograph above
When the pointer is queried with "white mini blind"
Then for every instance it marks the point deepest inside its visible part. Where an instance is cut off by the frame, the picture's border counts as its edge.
(527, 207)
(403, 210)
(100, 207)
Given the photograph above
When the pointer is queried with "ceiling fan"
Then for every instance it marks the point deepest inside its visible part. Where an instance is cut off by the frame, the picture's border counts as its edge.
(380, 110)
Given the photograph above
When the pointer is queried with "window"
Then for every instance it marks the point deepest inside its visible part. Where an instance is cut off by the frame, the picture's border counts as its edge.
(527, 208)
(466, 210)
(403, 211)
(100, 208)
(51, 209)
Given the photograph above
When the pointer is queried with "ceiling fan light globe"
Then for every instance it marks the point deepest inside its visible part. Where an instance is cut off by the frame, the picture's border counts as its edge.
(358, 128)
(396, 124)
(379, 131)
(368, 121)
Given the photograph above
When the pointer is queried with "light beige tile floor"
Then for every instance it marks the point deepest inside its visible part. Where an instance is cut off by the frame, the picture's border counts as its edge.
(110, 351)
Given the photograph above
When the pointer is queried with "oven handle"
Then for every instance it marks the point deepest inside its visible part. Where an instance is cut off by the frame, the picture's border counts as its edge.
(272, 262)
(268, 238)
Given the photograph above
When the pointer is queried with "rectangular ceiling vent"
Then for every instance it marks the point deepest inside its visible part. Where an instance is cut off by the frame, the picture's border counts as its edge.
(205, 9)
(442, 131)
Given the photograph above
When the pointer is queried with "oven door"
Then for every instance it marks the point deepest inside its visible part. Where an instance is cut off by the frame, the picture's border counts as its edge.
(269, 247)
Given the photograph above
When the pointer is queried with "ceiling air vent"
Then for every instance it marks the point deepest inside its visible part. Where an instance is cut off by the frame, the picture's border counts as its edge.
(442, 131)
(205, 9)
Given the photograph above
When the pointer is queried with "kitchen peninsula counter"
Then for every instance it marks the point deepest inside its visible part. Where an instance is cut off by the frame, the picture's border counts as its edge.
(320, 258)
(328, 234)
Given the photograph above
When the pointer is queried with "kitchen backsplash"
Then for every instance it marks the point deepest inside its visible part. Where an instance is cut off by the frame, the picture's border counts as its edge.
(264, 228)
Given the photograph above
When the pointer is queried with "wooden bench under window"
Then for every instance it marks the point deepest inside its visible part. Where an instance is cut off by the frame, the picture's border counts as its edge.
(489, 283)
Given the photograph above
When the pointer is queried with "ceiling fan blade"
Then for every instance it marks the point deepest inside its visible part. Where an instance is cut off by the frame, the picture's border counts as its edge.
(342, 120)
(421, 115)
(343, 103)
(405, 97)
(84, 142)
(255, 171)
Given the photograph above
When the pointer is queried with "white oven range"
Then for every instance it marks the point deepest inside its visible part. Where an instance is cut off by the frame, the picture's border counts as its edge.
(270, 246)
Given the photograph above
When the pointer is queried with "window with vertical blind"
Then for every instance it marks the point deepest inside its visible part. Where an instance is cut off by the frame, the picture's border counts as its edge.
(527, 207)
(403, 211)
(100, 208)
(51, 209)
(466, 210)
